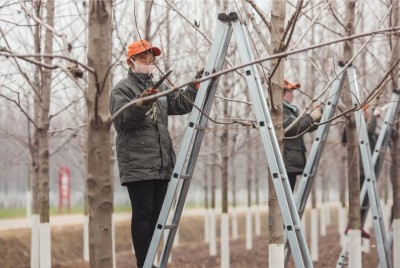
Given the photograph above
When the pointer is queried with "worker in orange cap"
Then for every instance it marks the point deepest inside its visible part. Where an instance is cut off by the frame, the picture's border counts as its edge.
(144, 147)
(294, 149)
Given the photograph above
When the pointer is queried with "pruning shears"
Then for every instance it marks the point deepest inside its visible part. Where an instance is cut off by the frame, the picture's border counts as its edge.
(153, 89)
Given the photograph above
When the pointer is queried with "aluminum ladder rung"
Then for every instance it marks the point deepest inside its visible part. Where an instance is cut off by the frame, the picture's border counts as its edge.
(169, 226)
(184, 177)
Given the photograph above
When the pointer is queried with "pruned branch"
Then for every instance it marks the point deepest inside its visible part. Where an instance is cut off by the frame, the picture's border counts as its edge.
(8, 53)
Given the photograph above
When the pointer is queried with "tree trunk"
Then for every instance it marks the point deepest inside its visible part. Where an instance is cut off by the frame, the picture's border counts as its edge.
(213, 246)
(35, 240)
(147, 20)
(234, 187)
(394, 169)
(395, 139)
(257, 182)
(394, 173)
(342, 187)
(99, 180)
(249, 174)
(225, 154)
(225, 258)
(43, 144)
(353, 155)
(213, 172)
(275, 223)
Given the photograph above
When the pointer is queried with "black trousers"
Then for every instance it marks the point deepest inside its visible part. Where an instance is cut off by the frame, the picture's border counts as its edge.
(146, 198)
(292, 180)
(365, 203)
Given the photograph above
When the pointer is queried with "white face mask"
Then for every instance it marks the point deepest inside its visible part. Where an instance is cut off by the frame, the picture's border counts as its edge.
(143, 68)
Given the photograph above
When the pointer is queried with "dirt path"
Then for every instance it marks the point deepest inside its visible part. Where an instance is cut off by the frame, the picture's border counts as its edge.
(192, 251)
(195, 255)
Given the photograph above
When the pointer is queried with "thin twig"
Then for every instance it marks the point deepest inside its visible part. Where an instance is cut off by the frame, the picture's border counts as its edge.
(261, 14)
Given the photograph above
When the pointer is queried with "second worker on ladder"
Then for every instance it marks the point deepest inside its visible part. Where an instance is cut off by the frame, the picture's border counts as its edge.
(294, 150)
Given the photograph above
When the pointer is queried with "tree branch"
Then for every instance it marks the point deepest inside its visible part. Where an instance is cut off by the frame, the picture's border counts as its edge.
(391, 30)
(261, 14)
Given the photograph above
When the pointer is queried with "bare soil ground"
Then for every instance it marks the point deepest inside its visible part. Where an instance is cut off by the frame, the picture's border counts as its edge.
(191, 252)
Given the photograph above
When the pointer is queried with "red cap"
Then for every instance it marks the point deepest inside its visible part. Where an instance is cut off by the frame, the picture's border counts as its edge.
(141, 46)
(288, 85)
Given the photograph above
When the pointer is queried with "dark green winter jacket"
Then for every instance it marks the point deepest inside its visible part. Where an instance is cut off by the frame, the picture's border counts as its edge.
(294, 150)
(144, 147)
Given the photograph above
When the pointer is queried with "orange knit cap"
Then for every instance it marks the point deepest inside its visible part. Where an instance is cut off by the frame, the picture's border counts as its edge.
(141, 46)
(288, 85)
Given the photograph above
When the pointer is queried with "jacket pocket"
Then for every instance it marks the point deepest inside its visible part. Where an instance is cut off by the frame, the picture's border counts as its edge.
(143, 152)
(142, 139)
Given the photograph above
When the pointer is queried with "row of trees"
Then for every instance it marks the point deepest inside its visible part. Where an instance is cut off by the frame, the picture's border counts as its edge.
(63, 59)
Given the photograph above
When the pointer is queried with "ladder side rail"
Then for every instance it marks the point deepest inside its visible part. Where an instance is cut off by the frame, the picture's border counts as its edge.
(222, 33)
(191, 161)
(275, 161)
(383, 251)
(380, 148)
(386, 131)
(185, 183)
(377, 157)
(381, 145)
(310, 170)
(317, 147)
(390, 240)
(343, 253)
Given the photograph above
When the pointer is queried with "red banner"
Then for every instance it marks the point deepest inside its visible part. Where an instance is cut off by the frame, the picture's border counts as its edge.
(64, 188)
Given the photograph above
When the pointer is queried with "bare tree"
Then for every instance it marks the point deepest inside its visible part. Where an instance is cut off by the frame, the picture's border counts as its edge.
(353, 157)
(99, 180)
(351, 131)
(43, 143)
(275, 223)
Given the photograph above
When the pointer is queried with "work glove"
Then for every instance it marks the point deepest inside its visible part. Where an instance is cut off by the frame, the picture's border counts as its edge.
(379, 110)
(199, 74)
(316, 114)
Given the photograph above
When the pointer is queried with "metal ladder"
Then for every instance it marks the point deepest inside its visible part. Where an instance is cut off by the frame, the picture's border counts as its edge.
(369, 186)
(377, 161)
(313, 158)
(190, 147)
(382, 143)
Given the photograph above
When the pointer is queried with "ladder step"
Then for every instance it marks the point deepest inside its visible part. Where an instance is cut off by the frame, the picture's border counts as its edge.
(184, 177)
(199, 127)
(170, 226)
(297, 227)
